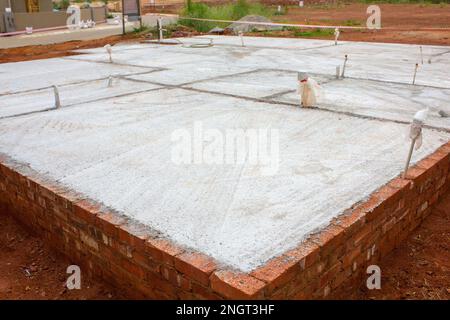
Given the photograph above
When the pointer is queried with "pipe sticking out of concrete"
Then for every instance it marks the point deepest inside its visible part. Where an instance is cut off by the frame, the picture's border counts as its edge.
(159, 25)
(241, 35)
(415, 133)
(338, 72)
(415, 73)
(110, 81)
(336, 36)
(408, 160)
(421, 54)
(108, 49)
(343, 67)
(57, 100)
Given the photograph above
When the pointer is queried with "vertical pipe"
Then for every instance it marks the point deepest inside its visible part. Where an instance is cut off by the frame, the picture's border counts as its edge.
(415, 72)
(110, 81)
(421, 54)
(57, 100)
(123, 17)
(336, 36)
(408, 160)
(343, 67)
(241, 35)
(338, 71)
(160, 29)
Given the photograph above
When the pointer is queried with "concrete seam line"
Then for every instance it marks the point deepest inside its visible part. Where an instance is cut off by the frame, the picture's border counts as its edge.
(78, 82)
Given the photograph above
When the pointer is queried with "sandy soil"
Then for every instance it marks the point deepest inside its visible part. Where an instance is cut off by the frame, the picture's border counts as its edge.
(29, 269)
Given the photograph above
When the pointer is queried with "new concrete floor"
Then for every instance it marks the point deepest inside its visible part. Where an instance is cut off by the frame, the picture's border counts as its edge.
(115, 144)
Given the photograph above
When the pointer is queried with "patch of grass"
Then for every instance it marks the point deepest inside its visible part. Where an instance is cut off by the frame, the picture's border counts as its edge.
(169, 30)
(141, 29)
(284, 11)
(230, 11)
(316, 33)
(352, 23)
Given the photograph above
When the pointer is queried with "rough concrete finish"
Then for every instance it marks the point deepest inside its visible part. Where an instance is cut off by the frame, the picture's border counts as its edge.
(38, 100)
(29, 75)
(117, 150)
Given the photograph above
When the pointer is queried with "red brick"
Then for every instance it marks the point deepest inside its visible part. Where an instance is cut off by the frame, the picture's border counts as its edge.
(170, 274)
(196, 266)
(201, 292)
(350, 220)
(162, 250)
(278, 271)
(108, 222)
(235, 285)
(86, 210)
(134, 234)
(330, 237)
(132, 268)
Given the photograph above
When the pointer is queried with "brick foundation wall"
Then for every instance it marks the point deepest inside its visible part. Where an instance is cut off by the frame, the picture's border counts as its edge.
(145, 265)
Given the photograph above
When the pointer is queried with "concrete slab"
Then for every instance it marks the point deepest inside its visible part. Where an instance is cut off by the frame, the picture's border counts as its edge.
(385, 62)
(31, 75)
(71, 94)
(191, 72)
(393, 101)
(119, 150)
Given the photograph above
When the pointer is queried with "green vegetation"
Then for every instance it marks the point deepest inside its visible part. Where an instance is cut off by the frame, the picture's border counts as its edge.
(153, 31)
(142, 29)
(313, 33)
(284, 11)
(231, 11)
(352, 23)
(61, 5)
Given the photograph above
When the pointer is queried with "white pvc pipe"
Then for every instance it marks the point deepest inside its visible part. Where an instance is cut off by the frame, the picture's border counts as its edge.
(241, 35)
(57, 100)
(343, 67)
(408, 160)
(415, 73)
(110, 81)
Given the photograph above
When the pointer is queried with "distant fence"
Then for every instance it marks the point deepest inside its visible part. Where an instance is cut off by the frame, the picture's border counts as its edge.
(39, 20)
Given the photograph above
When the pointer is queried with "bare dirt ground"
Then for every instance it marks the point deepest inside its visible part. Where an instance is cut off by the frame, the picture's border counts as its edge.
(59, 49)
(29, 269)
(403, 17)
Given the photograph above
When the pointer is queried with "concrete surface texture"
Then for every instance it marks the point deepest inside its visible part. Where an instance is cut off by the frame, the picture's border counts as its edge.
(115, 144)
